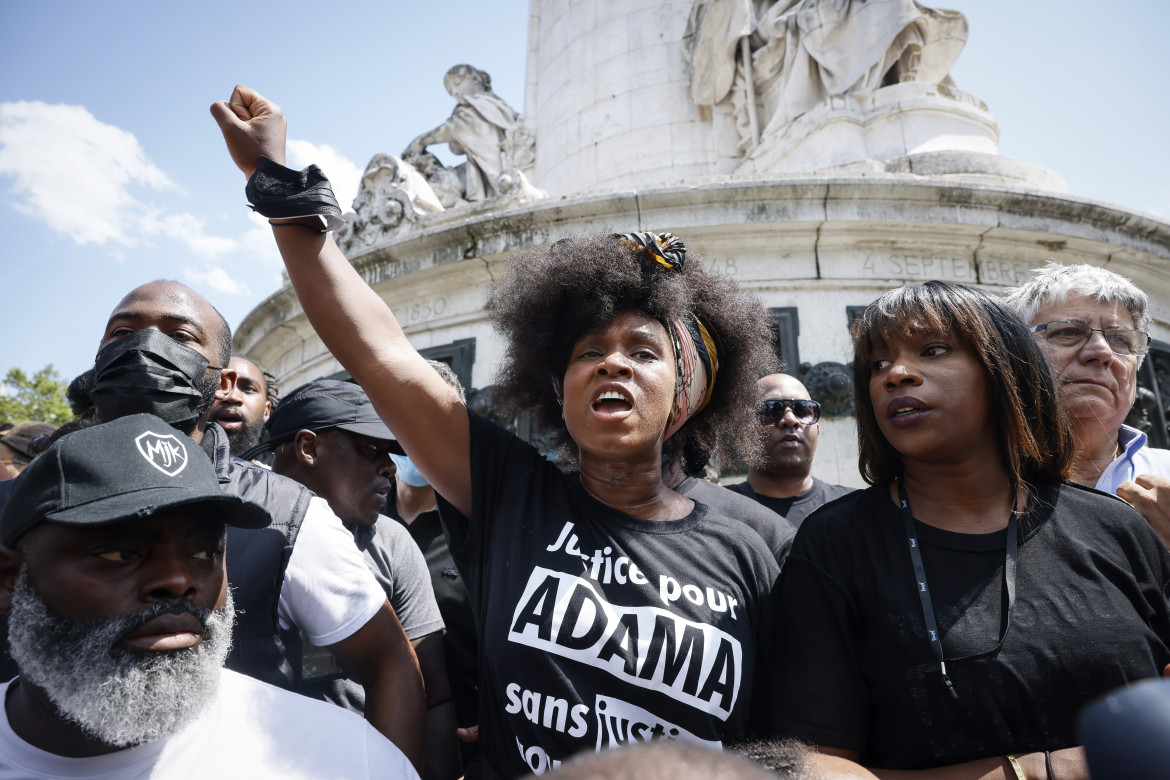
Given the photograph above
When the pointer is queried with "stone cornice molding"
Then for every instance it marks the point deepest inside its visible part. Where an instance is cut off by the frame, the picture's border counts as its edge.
(970, 214)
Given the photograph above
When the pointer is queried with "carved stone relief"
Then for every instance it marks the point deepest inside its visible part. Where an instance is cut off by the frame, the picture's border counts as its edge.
(392, 194)
(830, 385)
(398, 193)
(484, 128)
(777, 59)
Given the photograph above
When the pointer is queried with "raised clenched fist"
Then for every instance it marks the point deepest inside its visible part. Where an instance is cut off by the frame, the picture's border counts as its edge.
(252, 126)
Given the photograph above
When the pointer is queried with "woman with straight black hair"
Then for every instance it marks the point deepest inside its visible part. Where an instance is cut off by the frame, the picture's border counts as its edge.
(952, 619)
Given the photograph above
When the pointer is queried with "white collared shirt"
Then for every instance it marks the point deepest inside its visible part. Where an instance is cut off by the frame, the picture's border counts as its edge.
(1135, 458)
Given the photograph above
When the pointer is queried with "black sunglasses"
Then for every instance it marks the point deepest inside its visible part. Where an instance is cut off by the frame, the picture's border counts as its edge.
(806, 412)
(373, 449)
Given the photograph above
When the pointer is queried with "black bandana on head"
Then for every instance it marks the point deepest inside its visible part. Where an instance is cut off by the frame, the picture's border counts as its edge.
(666, 248)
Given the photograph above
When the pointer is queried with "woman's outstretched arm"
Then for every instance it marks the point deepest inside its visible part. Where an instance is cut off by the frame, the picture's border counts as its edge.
(424, 413)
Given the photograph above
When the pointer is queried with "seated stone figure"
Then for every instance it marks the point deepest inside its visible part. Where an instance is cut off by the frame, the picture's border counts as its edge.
(477, 128)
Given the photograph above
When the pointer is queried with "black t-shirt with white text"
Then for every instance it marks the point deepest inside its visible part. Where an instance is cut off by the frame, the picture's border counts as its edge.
(599, 629)
(854, 667)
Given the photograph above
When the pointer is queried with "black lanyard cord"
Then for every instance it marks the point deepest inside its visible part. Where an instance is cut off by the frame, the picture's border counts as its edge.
(1009, 584)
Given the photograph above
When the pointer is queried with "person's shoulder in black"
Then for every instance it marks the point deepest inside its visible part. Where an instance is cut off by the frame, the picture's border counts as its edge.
(776, 532)
(1091, 573)
(831, 492)
(743, 488)
(853, 518)
(1103, 522)
(796, 508)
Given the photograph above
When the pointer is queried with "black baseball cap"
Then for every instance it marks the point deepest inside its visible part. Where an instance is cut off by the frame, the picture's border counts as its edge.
(135, 466)
(323, 405)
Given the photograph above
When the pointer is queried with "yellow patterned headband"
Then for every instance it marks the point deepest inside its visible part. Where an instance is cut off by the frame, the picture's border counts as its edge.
(666, 248)
(696, 342)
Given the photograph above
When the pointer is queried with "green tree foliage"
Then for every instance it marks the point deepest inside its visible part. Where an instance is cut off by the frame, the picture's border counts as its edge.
(40, 397)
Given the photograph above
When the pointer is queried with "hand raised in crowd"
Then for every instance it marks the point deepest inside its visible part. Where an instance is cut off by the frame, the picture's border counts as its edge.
(1150, 496)
(252, 126)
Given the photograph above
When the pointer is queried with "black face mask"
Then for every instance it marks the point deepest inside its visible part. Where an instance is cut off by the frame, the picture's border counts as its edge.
(152, 373)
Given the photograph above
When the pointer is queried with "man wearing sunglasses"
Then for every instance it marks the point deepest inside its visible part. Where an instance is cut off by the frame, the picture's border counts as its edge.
(327, 436)
(1093, 325)
(784, 482)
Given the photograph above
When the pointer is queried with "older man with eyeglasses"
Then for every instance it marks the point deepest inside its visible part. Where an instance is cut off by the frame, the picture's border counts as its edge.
(1093, 325)
(784, 482)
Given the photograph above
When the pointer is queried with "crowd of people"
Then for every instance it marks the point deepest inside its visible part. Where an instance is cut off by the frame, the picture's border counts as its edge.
(202, 575)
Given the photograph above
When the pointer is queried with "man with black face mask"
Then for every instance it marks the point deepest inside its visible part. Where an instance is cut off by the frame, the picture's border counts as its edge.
(146, 369)
(164, 352)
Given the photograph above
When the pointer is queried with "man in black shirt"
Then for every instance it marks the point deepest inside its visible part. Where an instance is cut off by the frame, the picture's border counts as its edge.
(776, 533)
(326, 435)
(784, 482)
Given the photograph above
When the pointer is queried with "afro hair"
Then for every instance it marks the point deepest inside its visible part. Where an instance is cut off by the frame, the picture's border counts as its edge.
(554, 294)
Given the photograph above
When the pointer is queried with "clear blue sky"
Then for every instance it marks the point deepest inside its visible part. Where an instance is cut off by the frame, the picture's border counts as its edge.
(112, 172)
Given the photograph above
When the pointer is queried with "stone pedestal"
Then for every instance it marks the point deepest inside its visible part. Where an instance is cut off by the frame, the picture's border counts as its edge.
(893, 122)
(814, 247)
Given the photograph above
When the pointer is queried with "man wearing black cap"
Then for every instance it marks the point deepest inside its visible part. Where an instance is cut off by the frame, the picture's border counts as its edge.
(327, 436)
(163, 351)
(112, 573)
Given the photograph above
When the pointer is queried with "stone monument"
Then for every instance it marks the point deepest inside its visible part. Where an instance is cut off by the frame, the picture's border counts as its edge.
(810, 81)
(398, 194)
(865, 166)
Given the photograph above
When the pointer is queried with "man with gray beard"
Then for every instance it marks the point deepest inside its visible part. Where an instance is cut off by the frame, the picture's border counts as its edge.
(112, 575)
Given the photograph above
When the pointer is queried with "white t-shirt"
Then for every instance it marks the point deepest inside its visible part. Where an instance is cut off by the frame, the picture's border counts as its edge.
(253, 730)
(328, 591)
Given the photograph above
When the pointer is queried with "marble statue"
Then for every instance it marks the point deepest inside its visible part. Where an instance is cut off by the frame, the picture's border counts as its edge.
(481, 127)
(446, 182)
(399, 194)
(717, 32)
(392, 194)
(779, 58)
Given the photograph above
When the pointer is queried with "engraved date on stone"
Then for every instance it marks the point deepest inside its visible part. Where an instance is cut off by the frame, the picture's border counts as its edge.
(911, 267)
(420, 311)
(722, 265)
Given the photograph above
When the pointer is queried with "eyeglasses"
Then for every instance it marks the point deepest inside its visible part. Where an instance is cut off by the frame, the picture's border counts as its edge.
(806, 412)
(1065, 334)
(372, 449)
